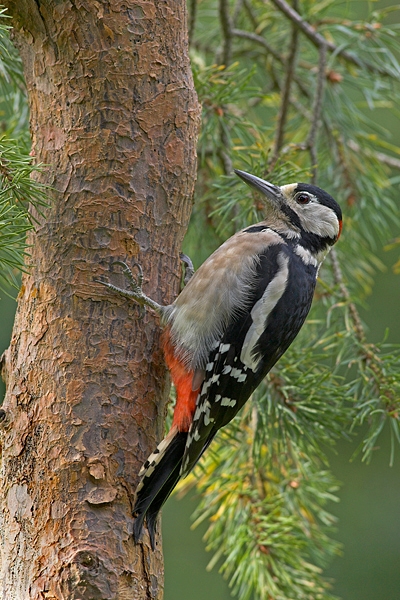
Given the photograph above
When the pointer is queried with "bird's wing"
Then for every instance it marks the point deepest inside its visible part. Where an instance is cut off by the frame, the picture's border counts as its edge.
(237, 364)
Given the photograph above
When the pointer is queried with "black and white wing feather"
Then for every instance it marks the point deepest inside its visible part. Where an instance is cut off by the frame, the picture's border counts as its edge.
(279, 302)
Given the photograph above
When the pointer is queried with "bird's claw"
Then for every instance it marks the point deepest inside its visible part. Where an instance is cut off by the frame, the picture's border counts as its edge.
(189, 268)
(134, 291)
(135, 284)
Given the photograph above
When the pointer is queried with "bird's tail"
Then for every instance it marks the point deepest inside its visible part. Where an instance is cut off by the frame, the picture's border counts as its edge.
(159, 475)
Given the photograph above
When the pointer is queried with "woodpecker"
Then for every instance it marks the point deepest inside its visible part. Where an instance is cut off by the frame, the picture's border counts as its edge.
(232, 322)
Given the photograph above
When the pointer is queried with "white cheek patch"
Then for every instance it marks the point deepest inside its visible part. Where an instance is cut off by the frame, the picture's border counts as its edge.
(319, 219)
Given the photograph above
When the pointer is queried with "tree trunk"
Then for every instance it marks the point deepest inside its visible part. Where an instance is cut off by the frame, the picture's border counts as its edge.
(114, 119)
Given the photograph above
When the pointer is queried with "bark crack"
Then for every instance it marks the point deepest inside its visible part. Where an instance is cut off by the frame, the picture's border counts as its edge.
(46, 29)
(146, 573)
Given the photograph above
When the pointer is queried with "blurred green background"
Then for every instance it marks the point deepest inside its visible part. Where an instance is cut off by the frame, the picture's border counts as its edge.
(369, 509)
(368, 512)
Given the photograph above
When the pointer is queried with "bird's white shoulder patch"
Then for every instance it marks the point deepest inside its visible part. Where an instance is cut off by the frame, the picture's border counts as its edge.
(305, 255)
(261, 310)
(217, 292)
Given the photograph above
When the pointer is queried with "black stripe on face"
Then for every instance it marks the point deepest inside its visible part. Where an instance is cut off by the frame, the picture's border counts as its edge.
(292, 215)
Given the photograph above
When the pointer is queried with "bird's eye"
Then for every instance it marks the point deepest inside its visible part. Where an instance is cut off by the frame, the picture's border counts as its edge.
(303, 198)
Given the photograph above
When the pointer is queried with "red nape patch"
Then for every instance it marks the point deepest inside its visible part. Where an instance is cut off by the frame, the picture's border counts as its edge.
(182, 379)
(340, 228)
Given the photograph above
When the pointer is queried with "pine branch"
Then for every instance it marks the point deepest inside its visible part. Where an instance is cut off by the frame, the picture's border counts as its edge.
(316, 111)
(238, 8)
(259, 40)
(391, 161)
(318, 40)
(227, 28)
(285, 101)
(339, 281)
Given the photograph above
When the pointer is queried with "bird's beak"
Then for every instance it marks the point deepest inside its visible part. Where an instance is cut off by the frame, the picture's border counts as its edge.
(273, 192)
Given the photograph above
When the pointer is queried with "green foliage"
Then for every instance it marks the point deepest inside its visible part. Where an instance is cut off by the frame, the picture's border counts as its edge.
(267, 518)
(264, 481)
(19, 193)
(283, 109)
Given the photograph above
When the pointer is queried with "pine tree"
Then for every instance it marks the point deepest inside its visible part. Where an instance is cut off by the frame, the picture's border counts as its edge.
(289, 92)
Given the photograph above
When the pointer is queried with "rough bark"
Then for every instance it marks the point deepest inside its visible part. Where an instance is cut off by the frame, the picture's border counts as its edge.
(114, 118)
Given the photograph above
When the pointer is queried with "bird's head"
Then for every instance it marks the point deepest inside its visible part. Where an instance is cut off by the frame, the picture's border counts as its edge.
(306, 210)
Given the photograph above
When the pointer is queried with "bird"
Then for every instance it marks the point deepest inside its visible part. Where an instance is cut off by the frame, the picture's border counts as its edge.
(235, 318)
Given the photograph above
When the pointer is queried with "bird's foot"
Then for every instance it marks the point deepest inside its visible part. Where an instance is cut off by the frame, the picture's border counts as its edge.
(189, 268)
(134, 291)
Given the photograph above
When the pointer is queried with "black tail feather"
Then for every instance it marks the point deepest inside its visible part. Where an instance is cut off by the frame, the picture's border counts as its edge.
(155, 507)
(158, 485)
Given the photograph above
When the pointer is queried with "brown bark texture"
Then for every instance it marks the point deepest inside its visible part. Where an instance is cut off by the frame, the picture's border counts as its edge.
(114, 119)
